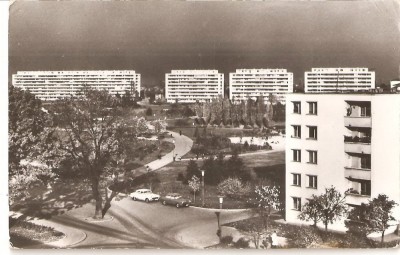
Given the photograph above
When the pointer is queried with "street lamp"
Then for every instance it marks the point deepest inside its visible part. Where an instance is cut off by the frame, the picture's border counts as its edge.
(173, 152)
(202, 185)
(221, 200)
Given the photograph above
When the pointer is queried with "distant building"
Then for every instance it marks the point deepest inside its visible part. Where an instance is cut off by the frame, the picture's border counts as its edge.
(349, 141)
(189, 86)
(336, 80)
(53, 85)
(251, 83)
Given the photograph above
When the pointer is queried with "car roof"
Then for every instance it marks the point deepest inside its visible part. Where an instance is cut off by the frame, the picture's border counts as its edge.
(143, 190)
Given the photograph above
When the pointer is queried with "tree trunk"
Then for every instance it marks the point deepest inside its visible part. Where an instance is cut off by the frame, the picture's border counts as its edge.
(383, 237)
(194, 197)
(326, 226)
(97, 197)
(107, 205)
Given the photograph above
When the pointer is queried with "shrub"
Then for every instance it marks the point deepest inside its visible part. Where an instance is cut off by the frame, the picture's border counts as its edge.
(233, 187)
(181, 177)
(304, 237)
(241, 243)
(226, 239)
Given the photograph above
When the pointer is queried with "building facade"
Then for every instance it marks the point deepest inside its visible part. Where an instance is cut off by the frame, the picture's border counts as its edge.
(189, 86)
(333, 80)
(349, 141)
(251, 83)
(53, 85)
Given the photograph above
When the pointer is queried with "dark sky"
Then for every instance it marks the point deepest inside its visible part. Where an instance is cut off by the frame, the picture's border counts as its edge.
(155, 37)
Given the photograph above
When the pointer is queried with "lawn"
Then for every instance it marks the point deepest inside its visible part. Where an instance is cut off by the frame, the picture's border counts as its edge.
(310, 237)
(24, 234)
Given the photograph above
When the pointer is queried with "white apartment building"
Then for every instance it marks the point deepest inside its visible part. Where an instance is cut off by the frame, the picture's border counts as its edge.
(189, 86)
(53, 85)
(251, 83)
(331, 80)
(349, 141)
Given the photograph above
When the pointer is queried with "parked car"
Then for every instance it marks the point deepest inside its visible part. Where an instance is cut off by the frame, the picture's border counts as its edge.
(175, 199)
(145, 195)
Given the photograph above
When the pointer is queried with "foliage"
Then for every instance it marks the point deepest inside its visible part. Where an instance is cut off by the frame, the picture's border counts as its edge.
(329, 207)
(303, 237)
(159, 126)
(233, 187)
(372, 217)
(267, 198)
(28, 142)
(241, 243)
(149, 111)
(93, 138)
(194, 184)
(226, 239)
(310, 212)
(192, 170)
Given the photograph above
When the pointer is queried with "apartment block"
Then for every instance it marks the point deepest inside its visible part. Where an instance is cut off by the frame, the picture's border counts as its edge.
(349, 141)
(252, 83)
(332, 80)
(189, 86)
(53, 85)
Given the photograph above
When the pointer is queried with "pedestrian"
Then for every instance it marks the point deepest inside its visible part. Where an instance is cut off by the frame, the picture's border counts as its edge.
(274, 240)
(180, 132)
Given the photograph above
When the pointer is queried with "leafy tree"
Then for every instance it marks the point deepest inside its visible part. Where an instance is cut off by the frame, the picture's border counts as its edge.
(28, 140)
(192, 169)
(93, 138)
(310, 212)
(330, 206)
(233, 187)
(149, 112)
(374, 216)
(159, 126)
(267, 198)
(194, 184)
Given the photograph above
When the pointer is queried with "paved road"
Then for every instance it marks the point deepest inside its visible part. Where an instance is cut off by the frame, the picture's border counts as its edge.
(183, 145)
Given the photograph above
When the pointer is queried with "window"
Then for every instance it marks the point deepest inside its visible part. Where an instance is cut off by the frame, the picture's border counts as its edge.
(312, 108)
(312, 181)
(296, 131)
(296, 203)
(296, 155)
(365, 188)
(365, 111)
(296, 179)
(366, 161)
(312, 157)
(312, 132)
(297, 107)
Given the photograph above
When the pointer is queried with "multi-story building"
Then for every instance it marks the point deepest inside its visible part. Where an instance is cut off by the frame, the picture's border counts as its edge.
(53, 85)
(332, 80)
(189, 86)
(349, 141)
(251, 83)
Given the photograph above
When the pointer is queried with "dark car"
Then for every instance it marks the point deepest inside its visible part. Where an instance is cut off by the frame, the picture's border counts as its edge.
(175, 199)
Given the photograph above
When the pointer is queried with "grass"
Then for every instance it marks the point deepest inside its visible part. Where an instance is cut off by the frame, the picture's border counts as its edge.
(24, 234)
(310, 237)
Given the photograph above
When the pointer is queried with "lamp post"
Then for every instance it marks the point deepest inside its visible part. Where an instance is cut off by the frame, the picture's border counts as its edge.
(221, 200)
(173, 152)
(202, 187)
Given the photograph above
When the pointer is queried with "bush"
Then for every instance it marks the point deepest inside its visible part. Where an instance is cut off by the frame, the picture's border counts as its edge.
(241, 243)
(226, 239)
(233, 187)
(181, 177)
(149, 112)
(304, 237)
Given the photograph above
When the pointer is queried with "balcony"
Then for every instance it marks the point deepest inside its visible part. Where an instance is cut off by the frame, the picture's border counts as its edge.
(356, 199)
(357, 145)
(357, 121)
(357, 173)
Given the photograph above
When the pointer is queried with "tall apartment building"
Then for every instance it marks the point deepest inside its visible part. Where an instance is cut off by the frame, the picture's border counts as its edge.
(53, 85)
(189, 86)
(349, 141)
(251, 83)
(331, 80)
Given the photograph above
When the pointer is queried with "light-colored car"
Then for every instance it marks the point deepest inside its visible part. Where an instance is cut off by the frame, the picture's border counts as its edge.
(175, 199)
(145, 195)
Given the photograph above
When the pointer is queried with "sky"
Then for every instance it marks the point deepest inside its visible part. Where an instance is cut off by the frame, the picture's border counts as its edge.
(155, 37)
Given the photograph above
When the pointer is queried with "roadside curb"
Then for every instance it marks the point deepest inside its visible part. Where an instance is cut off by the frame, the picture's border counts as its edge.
(221, 210)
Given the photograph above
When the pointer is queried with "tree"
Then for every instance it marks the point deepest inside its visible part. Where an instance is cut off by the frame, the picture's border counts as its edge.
(374, 216)
(149, 112)
(93, 137)
(192, 169)
(329, 207)
(28, 140)
(194, 184)
(310, 212)
(267, 198)
(233, 187)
